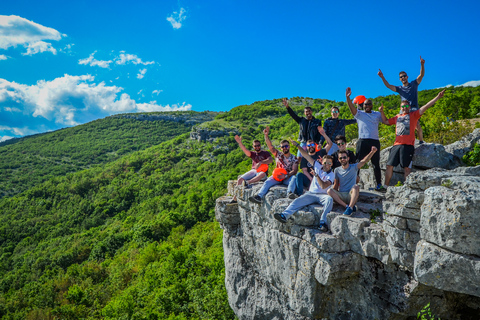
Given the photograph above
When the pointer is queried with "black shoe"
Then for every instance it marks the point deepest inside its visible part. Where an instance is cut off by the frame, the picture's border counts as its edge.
(255, 199)
(292, 196)
(280, 217)
(323, 227)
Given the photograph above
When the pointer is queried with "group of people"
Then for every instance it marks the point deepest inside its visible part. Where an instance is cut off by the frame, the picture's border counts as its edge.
(331, 173)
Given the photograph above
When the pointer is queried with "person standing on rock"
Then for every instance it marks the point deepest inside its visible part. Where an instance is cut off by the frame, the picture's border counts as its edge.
(304, 178)
(317, 193)
(284, 160)
(404, 146)
(345, 191)
(334, 126)
(368, 122)
(308, 126)
(408, 91)
(260, 161)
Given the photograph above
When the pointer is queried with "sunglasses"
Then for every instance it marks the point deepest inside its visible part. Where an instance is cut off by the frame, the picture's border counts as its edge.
(342, 158)
(257, 146)
(340, 143)
(403, 76)
(368, 104)
(327, 163)
(405, 106)
(311, 145)
(335, 111)
(286, 146)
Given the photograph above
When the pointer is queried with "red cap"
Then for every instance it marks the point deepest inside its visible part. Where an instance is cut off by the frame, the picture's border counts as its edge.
(359, 99)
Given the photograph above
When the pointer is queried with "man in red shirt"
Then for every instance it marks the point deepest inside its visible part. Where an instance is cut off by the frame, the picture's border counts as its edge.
(403, 148)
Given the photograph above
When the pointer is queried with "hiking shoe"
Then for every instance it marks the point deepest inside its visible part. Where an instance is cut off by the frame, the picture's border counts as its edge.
(354, 208)
(323, 227)
(280, 217)
(348, 211)
(255, 199)
(292, 195)
(421, 142)
(380, 188)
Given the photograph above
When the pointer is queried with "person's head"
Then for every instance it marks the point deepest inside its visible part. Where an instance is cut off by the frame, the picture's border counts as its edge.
(368, 105)
(334, 112)
(403, 77)
(343, 157)
(285, 146)
(308, 112)
(311, 146)
(257, 146)
(341, 142)
(404, 107)
(327, 162)
(359, 100)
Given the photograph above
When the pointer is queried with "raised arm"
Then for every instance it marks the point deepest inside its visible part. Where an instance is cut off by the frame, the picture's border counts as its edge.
(303, 152)
(431, 102)
(268, 142)
(240, 144)
(290, 111)
(384, 118)
(385, 82)
(352, 108)
(326, 137)
(422, 70)
(367, 158)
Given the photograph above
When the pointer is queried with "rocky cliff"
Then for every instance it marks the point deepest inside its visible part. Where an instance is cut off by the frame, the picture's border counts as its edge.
(423, 248)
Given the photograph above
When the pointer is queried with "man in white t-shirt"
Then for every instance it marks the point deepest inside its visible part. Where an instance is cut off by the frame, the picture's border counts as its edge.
(317, 193)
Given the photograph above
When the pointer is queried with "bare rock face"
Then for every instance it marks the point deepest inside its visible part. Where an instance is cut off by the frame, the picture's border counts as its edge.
(424, 248)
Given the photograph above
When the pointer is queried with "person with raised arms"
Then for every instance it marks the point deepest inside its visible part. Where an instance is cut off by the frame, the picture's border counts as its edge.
(317, 193)
(260, 161)
(368, 122)
(345, 191)
(408, 91)
(286, 169)
(403, 148)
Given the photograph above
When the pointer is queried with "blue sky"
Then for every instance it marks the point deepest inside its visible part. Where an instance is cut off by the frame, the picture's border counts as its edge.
(65, 63)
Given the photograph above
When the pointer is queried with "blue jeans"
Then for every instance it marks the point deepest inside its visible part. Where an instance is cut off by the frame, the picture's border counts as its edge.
(272, 182)
(307, 199)
(301, 182)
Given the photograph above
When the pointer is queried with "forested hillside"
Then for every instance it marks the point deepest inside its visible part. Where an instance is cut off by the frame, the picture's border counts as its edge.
(134, 236)
(29, 161)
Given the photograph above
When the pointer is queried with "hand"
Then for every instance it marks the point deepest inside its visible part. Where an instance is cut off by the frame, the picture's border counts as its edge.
(295, 143)
(321, 130)
(238, 139)
(285, 102)
(348, 92)
(422, 61)
(266, 131)
(440, 95)
(380, 73)
(380, 108)
(258, 165)
(374, 149)
(312, 172)
(282, 176)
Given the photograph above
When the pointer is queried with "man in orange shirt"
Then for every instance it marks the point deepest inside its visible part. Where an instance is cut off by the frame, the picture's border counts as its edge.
(403, 148)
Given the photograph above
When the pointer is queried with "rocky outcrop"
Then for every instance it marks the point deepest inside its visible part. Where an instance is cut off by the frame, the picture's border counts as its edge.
(209, 135)
(188, 119)
(423, 249)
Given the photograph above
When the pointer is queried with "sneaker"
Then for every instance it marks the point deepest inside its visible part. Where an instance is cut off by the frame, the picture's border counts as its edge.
(255, 199)
(292, 195)
(323, 227)
(247, 186)
(380, 188)
(421, 142)
(348, 211)
(354, 208)
(280, 217)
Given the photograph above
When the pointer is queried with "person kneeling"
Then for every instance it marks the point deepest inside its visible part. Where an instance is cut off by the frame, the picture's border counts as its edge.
(317, 193)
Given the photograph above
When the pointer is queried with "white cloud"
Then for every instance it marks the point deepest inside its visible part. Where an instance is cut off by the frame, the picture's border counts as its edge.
(177, 18)
(141, 73)
(473, 83)
(39, 46)
(91, 61)
(157, 92)
(64, 101)
(15, 30)
(125, 58)
(3, 57)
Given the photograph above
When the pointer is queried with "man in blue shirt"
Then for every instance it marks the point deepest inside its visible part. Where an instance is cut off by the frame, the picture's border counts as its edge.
(408, 91)
(334, 127)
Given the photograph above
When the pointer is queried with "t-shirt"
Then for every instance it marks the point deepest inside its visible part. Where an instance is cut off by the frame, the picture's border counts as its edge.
(305, 164)
(284, 162)
(405, 128)
(409, 93)
(351, 158)
(324, 176)
(368, 124)
(346, 177)
(258, 156)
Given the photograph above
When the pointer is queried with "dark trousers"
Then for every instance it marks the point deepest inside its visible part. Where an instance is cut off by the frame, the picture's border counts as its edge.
(364, 146)
(302, 182)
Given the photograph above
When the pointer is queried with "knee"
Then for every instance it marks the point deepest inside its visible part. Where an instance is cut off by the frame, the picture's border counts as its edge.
(356, 188)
